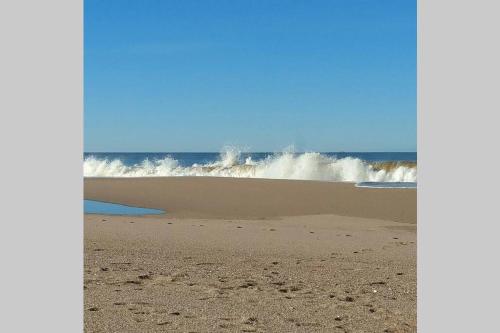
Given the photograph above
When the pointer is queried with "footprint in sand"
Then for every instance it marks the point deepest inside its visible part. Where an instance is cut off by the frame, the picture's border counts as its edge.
(141, 312)
(250, 321)
(307, 324)
(379, 283)
(341, 328)
(247, 284)
(132, 282)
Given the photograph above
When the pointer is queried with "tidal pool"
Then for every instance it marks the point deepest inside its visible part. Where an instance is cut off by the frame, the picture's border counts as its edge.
(107, 208)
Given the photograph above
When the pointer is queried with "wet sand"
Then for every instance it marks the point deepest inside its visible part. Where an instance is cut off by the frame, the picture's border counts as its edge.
(252, 261)
(254, 198)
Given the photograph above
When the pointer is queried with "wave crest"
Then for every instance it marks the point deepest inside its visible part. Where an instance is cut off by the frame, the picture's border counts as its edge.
(287, 165)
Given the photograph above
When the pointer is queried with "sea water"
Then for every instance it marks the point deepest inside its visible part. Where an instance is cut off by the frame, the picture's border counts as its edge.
(107, 208)
(324, 166)
(387, 184)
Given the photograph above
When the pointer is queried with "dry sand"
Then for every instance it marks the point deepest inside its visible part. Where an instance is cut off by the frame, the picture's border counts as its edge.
(249, 255)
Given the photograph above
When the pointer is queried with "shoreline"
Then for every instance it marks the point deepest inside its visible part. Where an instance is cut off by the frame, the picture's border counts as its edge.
(220, 197)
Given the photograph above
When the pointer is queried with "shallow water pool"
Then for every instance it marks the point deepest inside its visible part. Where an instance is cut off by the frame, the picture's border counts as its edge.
(387, 184)
(107, 208)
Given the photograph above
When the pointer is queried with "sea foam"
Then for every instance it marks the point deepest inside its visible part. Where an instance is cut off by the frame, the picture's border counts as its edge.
(286, 165)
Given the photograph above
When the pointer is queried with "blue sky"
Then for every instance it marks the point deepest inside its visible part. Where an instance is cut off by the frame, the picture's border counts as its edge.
(261, 75)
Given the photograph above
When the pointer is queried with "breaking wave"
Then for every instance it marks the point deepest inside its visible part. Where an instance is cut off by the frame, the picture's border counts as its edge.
(286, 165)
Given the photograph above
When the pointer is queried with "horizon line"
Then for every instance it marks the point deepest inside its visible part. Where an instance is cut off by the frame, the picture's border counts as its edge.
(244, 152)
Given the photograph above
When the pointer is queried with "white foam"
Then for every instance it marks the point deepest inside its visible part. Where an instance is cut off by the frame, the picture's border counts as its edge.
(287, 165)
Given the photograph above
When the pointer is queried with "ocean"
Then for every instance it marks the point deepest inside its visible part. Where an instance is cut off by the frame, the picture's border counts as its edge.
(325, 166)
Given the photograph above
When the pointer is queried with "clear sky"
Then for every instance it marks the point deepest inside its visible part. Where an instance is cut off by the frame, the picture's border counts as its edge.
(333, 75)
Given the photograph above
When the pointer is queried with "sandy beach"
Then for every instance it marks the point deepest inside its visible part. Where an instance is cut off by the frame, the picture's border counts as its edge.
(250, 255)
(254, 198)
